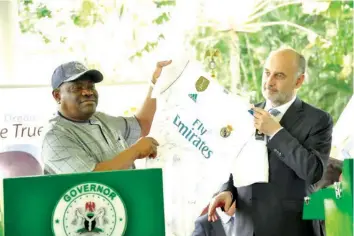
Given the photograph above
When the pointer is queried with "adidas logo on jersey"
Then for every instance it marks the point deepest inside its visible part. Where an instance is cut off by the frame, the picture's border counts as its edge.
(193, 96)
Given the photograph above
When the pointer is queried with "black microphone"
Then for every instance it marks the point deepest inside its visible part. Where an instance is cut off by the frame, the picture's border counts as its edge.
(258, 135)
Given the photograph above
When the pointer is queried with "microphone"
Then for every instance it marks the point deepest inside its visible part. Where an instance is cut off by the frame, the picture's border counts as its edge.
(258, 135)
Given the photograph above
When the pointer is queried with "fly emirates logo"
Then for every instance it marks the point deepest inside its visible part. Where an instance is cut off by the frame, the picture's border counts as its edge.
(194, 134)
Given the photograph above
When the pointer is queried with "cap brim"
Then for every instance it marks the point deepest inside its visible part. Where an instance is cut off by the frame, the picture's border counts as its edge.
(93, 75)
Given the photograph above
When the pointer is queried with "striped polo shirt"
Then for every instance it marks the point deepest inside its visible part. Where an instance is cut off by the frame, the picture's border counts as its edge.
(75, 147)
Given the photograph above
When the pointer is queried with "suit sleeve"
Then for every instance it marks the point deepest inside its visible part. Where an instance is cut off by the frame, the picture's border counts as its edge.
(199, 230)
(229, 186)
(307, 160)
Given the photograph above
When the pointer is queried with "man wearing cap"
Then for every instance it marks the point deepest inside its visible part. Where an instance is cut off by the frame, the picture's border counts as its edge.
(79, 139)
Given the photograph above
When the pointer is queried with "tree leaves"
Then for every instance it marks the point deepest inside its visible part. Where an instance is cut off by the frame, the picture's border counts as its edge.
(160, 4)
(27, 2)
(88, 15)
(324, 37)
(164, 17)
(121, 11)
(43, 11)
(149, 46)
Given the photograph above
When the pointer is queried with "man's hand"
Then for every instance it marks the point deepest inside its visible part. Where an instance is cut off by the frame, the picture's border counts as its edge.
(158, 70)
(222, 199)
(265, 122)
(146, 147)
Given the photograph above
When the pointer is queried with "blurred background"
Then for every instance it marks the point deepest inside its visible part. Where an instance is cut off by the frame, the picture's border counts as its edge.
(125, 38)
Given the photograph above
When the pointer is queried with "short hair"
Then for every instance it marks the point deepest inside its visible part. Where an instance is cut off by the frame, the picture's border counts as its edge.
(301, 64)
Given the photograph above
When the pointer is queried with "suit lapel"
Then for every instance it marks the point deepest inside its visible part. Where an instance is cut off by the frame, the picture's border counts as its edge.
(218, 228)
(292, 115)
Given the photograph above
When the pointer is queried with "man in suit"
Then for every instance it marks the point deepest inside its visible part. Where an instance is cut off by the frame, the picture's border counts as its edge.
(298, 138)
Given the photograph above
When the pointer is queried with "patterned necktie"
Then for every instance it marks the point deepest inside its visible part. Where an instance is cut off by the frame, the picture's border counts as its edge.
(273, 112)
(232, 228)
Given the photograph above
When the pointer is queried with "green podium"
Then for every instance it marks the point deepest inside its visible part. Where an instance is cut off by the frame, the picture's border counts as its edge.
(334, 204)
(103, 203)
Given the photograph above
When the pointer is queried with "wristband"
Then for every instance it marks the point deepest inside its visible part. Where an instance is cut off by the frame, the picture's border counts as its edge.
(152, 84)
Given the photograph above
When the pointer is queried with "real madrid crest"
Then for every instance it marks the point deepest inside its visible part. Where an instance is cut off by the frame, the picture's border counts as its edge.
(226, 131)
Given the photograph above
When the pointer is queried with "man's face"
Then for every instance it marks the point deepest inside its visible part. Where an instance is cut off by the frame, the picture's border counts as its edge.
(78, 99)
(280, 77)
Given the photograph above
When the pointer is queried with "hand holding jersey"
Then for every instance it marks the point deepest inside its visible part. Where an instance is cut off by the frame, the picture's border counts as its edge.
(204, 134)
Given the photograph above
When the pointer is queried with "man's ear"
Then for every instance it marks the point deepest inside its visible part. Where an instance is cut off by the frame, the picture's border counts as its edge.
(56, 95)
(299, 81)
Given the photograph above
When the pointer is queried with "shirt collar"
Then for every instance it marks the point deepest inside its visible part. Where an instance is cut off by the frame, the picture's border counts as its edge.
(225, 218)
(282, 108)
(92, 120)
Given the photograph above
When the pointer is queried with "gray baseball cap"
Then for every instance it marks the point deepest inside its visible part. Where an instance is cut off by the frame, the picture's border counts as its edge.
(72, 71)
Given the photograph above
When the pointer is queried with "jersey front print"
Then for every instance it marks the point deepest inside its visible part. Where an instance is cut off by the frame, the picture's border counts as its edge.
(201, 129)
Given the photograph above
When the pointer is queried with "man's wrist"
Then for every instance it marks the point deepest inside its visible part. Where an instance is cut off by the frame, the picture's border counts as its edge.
(133, 153)
(152, 83)
(276, 132)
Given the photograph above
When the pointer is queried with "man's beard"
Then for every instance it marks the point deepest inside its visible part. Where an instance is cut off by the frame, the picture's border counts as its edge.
(276, 98)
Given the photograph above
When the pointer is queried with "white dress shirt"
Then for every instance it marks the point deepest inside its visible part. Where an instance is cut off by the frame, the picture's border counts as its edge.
(228, 223)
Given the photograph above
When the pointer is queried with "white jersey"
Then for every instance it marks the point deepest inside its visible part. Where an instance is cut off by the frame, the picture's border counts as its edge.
(201, 130)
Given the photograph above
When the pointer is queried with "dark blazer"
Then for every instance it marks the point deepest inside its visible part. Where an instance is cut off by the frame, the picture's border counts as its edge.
(205, 228)
(298, 155)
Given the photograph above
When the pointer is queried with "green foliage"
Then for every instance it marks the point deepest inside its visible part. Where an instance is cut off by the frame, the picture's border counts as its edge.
(325, 39)
(149, 46)
(160, 4)
(88, 14)
(30, 14)
(208, 38)
(323, 36)
(161, 19)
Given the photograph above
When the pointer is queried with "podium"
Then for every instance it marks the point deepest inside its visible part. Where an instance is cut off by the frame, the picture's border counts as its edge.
(334, 204)
(100, 203)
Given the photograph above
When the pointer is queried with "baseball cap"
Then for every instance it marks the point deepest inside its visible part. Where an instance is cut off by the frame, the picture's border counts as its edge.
(72, 71)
